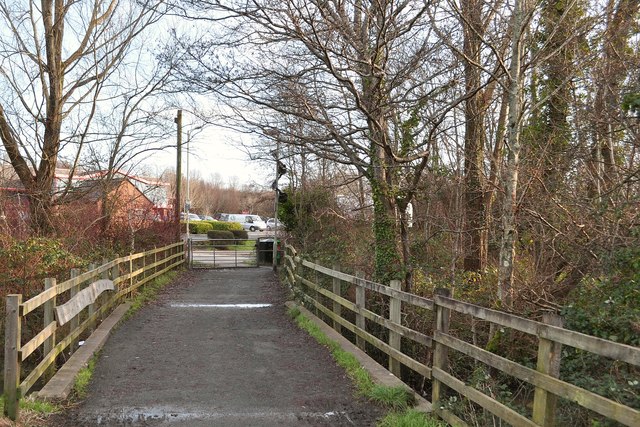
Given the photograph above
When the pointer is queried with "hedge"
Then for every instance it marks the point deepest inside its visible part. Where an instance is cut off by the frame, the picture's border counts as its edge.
(220, 237)
(240, 234)
(200, 227)
(224, 225)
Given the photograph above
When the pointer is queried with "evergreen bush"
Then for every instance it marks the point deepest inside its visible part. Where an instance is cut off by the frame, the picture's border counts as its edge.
(224, 225)
(200, 227)
(240, 235)
(220, 237)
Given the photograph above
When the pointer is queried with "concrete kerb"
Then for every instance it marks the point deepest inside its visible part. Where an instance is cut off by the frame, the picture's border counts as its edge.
(378, 373)
(61, 385)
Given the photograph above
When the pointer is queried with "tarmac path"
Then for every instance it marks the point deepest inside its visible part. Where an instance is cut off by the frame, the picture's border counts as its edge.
(199, 357)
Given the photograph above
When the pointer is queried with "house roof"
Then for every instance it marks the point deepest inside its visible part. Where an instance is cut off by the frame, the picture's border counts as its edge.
(93, 190)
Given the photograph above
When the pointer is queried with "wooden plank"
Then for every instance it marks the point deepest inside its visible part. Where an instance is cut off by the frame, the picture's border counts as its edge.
(498, 409)
(378, 373)
(602, 347)
(376, 287)
(449, 417)
(61, 384)
(402, 330)
(134, 257)
(37, 341)
(290, 276)
(289, 262)
(35, 302)
(125, 291)
(76, 281)
(374, 341)
(336, 287)
(50, 358)
(544, 403)
(48, 317)
(91, 275)
(11, 356)
(75, 321)
(440, 351)
(83, 299)
(585, 398)
(395, 339)
(360, 304)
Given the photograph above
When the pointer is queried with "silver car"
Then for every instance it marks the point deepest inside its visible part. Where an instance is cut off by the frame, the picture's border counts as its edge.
(272, 224)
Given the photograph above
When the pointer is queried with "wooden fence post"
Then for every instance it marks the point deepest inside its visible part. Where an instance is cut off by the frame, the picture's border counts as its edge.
(75, 322)
(91, 309)
(144, 268)
(316, 296)
(11, 357)
(440, 351)
(130, 275)
(298, 272)
(155, 260)
(50, 342)
(361, 305)
(115, 272)
(395, 339)
(336, 305)
(549, 355)
(103, 299)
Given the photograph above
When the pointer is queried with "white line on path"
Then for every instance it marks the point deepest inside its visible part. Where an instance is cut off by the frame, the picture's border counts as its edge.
(180, 305)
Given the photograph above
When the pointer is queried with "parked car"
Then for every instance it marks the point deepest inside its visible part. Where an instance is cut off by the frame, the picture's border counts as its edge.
(191, 216)
(273, 225)
(207, 218)
(248, 221)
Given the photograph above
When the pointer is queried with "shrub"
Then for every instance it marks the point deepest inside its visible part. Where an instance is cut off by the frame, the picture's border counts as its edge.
(225, 226)
(606, 307)
(25, 263)
(220, 237)
(200, 227)
(240, 234)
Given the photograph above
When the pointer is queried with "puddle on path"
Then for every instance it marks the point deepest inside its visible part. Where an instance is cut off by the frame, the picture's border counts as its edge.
(192, 305)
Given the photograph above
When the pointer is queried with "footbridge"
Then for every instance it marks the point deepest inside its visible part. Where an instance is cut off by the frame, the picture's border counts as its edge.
(217, 347)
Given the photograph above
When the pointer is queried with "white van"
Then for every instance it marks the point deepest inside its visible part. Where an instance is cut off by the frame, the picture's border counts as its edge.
(248, 221)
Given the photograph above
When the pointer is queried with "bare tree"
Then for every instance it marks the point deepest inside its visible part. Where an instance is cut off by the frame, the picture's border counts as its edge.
(369, 81)
(55, 58)
(521, 16)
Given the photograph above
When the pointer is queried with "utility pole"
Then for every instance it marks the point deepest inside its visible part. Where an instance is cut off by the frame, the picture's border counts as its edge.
(275, 214)
(187, 204)
(178, 209)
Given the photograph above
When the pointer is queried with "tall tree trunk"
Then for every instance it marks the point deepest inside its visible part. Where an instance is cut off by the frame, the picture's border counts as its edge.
(41, 199)
(475, 255)
(560, 28)
(620, 19)
(388, 265)
(509, 231)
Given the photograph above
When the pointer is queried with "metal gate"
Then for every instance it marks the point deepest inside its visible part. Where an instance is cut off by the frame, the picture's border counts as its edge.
(222, 253)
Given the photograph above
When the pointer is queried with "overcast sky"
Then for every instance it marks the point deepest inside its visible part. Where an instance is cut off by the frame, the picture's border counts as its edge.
(216, 150)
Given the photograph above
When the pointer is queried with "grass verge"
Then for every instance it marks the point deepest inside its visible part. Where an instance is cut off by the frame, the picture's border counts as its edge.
(82, 379)
(409, 418)
(398, 399)
(33, 413)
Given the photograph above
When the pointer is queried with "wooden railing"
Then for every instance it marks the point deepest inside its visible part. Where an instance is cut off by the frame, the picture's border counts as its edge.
(124, 275)
(323, 289)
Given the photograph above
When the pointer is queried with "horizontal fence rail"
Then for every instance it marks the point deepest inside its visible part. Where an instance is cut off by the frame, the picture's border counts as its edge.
(89, 297)
(341, 299)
